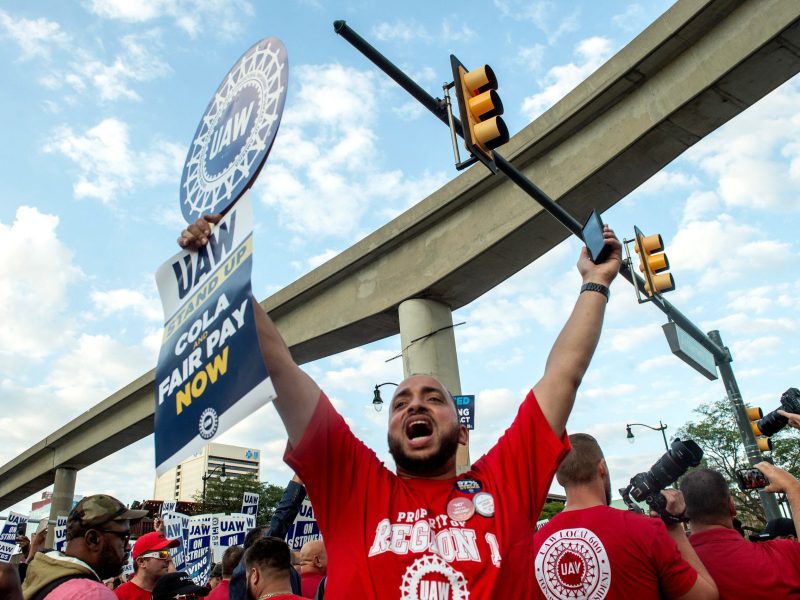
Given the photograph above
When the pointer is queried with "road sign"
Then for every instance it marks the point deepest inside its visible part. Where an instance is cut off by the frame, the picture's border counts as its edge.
(465, 405)
(236, 132)
(690, 350)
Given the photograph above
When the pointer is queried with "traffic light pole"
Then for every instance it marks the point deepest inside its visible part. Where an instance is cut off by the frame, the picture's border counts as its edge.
(711, 342)
(754, 455)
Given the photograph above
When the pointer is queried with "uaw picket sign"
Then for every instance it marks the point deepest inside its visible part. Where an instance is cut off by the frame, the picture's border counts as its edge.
(236, 132)
(210, 373)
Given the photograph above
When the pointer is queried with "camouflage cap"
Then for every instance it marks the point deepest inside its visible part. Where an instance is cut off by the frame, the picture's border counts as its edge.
(95, 510)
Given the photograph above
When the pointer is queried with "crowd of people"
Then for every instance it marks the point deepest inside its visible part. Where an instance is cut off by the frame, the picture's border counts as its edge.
(426, 531)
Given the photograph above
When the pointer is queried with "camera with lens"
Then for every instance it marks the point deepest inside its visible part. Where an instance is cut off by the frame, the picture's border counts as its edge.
(646, 487)
(772, 423)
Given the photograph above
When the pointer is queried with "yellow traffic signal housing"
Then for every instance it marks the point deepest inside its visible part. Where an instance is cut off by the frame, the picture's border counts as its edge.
(754, 414)
(652, 263)
(479, 107)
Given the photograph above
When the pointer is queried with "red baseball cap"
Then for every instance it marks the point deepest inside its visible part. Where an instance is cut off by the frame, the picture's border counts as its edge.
(153, 542)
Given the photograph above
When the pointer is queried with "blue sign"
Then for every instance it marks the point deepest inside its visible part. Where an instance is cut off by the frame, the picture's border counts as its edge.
(210, 373)
(236, 132)
(465, 405)
(304, 529)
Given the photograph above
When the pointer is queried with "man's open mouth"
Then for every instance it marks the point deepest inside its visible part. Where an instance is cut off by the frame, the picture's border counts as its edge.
(418, 431)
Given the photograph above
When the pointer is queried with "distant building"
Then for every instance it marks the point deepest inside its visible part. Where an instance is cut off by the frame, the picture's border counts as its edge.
(184, 481)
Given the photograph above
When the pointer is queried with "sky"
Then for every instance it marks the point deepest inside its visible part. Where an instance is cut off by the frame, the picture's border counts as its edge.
(101, 98)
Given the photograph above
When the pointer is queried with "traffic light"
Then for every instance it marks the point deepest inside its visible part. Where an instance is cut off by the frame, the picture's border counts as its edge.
(755, 414)
(480, 108)
(653, 262)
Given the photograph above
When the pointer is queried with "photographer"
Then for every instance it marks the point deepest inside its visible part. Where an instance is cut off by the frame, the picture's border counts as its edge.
(593, 551)
(769, 569)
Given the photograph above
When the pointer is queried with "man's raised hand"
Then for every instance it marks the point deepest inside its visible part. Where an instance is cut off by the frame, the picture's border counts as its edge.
(196, 235)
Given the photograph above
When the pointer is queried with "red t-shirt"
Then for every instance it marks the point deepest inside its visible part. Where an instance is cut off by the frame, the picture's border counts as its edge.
(390, 537)
(605, 553)
(309, 582)
(131, 591)
(752, 570)
(221, 591)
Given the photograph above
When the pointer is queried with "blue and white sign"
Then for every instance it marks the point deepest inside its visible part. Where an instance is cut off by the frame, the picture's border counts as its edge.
(169, 506)
(304, 529)
(250, 503)
(176, 526)
(465, 405)
(210, 374)
(227, 531)
(8, 535)
(198, 549)
(60, 539)
(236, 132)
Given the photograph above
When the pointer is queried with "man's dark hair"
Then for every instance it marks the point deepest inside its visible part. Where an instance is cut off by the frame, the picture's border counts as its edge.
(230, 559)
(252, 536)
(707, 495)
(580, 464)
(268, 554)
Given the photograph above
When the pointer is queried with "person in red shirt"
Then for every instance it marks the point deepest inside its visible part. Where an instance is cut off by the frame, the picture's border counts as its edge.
(230, 558)
(593, 551)
(313, 566)
(268, 562)
(425, 531)
(151, 561)
(762, 570)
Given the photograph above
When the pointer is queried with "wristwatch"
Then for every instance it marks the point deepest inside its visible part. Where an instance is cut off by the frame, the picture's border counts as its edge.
(596, 287)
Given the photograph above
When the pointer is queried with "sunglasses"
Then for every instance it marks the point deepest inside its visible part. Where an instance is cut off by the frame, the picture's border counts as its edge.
(125, 536)
(159, 554)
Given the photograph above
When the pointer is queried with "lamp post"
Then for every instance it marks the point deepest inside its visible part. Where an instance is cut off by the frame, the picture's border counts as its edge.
(661, 428)
(222, 477)
(377, 401)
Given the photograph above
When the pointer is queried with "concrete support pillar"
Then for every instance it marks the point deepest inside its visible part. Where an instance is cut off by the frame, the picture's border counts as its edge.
(63, 493)
(428, 353)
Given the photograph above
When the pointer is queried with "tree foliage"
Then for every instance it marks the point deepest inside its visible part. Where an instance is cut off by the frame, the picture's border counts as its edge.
(227, 497)
(551, 509)
(716, 432)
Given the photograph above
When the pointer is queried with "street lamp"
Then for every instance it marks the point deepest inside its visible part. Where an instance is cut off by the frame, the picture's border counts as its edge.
(222, 477)
(377, 401)
(661, 428)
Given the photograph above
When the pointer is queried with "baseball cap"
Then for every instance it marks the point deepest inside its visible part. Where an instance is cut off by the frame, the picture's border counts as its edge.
(152, 542)
(95, 510)
(775, 528)
(172, 584)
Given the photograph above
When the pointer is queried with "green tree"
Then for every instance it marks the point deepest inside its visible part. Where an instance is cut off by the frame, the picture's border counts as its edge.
(551, 509)
(227, 497)
(716, 432)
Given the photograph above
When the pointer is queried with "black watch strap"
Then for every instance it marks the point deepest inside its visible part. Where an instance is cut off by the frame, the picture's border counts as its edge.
(596, 287)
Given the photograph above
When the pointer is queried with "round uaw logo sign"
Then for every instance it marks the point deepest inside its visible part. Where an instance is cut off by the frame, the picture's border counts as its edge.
(431, 577)
(236, 132)
(209, 423)
(573, 563)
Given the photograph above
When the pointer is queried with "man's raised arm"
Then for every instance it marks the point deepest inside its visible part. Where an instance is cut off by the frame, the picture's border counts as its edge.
(575, 345)
(297, 393)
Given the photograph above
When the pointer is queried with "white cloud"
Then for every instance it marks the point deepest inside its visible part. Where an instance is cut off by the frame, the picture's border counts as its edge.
(324, 173)
(359, 369)
(543, 14)
(108, 166)
(318, 259)
(223, 18)
(38, 271)
(128, 302)
(402, 31)
(633, 18)
(35, 37)
(590, 53)
(724, 249)
(531, 57)
(747, 157)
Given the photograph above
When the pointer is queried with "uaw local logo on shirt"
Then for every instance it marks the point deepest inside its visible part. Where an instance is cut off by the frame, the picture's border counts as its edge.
(236, 132)
(573, 563)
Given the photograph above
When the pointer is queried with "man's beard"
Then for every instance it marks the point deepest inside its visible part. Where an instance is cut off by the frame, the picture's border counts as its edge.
(430, 465)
